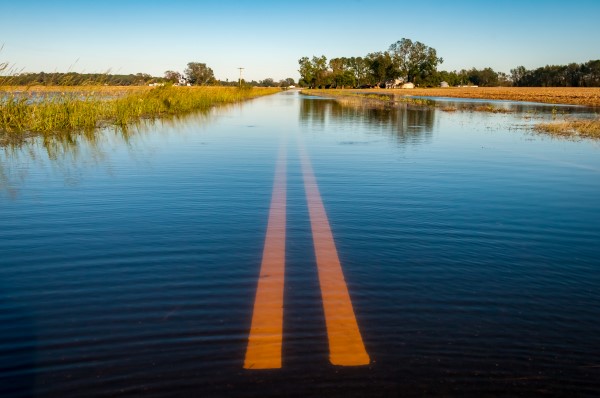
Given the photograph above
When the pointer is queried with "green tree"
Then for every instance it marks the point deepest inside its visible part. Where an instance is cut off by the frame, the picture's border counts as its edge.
(484, 77)
(359, 67)
(313, 72)
(199, 74)
(517, 75)
(341, 74)
(307, 73)
(415, 61)
(381, 67)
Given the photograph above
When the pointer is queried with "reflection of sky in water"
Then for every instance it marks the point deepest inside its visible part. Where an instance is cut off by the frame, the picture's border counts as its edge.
(468, 244)
(70, 155)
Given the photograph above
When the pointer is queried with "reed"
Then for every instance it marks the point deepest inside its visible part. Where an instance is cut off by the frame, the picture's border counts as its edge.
(571, 128)
(372, 99)
(84, 108)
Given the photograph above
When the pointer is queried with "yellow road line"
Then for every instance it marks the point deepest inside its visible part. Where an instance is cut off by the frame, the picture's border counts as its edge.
(346, 346)
(264, 342)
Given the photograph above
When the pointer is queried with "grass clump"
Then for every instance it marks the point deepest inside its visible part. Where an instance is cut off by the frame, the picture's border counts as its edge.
(491, 109)
(572, 128)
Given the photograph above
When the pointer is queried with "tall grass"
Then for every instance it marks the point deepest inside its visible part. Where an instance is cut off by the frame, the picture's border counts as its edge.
(89, 108)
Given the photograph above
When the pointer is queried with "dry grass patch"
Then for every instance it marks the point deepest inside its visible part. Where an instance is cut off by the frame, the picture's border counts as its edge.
(489, 109)
(571, 128)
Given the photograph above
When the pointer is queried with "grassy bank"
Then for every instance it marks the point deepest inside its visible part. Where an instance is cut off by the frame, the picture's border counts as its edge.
(51, 110)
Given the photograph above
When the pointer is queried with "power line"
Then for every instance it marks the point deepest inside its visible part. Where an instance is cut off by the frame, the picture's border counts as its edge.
(241, 69)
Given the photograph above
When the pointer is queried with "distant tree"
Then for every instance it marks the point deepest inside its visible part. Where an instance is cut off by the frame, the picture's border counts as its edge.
(306, 72)
(591, 74)
(517, 75)
(268, 82)
(141, 79)
(313, 72)
(199, 74)
(381, 67)
(360, 68)
(340, 74)
(414, 60)
(172, 76)
(504, 79)
(287, 82)
(484, 77)
(320, 69)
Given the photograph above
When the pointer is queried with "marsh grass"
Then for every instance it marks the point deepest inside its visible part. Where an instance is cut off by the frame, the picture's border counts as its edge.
(571, 128)
(490, 109)
(587, 128)
(87, 108)
(373, 100)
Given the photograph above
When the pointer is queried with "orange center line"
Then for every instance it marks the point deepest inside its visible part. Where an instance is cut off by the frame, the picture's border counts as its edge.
(346, 346)
(264, 342)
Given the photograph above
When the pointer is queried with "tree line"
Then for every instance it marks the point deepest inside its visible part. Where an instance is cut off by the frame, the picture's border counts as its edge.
(572, 75)
(195, 74)
(414, 62)
(405, 60)
(77, 79)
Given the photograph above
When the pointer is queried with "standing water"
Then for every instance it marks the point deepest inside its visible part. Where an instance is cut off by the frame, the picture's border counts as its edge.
(466, 250)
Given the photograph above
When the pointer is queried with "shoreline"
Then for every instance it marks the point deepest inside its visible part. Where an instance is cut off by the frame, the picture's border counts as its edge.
(586, 96)
(55, 109)
(558, 96)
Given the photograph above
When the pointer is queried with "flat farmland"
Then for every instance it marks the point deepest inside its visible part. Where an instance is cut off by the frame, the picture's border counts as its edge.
(588, 96)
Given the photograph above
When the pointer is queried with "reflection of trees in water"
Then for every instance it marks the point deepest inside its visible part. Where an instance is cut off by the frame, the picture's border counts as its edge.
(408, 125)
(70, 153)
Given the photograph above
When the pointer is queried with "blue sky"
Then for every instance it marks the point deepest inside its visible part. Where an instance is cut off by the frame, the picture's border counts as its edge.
(268, 37)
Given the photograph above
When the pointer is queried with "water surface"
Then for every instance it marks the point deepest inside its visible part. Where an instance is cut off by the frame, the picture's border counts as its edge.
(129, 261)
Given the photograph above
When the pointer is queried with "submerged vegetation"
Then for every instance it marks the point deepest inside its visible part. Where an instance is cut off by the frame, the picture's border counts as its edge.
(370, 98)
(584, 128)
(572, 128)
(549, 95)
(84, 109)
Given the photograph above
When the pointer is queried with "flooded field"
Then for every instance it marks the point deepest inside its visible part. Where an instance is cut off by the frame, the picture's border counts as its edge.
(295, 246)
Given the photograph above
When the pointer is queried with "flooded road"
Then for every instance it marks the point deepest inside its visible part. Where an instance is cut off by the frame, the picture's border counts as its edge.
(294, 246)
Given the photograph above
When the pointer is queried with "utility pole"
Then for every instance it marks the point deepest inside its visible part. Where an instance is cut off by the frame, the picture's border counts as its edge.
(241, 75)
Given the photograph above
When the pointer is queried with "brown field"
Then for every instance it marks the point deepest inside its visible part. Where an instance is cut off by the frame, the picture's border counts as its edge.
(550, 95)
